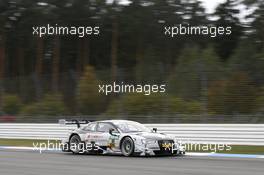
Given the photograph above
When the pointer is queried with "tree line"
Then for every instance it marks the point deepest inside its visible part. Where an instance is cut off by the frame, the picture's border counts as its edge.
(222, 75)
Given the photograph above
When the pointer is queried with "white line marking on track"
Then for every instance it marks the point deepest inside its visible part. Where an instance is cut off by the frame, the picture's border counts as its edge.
(187, 154)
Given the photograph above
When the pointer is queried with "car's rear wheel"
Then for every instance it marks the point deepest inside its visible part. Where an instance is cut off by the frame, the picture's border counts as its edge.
(75, 144)
(127, 146)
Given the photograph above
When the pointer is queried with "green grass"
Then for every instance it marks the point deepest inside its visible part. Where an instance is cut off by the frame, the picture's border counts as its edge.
(235, 149)
(23, 142)
(238, 149)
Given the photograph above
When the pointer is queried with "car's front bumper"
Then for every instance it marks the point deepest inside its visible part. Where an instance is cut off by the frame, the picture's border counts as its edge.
(159, 148)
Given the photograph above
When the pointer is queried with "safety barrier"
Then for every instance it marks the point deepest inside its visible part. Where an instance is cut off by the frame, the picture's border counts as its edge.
(234, 134)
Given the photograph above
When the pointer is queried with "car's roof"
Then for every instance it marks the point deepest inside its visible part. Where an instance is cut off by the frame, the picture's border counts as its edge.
(112, 121)
(108, 121)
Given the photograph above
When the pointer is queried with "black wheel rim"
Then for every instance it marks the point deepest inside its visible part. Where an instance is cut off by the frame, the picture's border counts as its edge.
(127, 147)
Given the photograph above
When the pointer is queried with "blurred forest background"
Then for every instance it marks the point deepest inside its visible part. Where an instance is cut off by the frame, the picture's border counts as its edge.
(220, 77)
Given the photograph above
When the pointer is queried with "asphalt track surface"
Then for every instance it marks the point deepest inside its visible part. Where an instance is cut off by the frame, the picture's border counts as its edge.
(33, 163)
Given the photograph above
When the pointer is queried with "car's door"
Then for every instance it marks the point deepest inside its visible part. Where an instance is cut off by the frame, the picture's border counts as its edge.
(105, 139)
(89, 132)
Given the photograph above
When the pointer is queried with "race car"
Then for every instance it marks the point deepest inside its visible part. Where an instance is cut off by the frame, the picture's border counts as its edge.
(118, 136)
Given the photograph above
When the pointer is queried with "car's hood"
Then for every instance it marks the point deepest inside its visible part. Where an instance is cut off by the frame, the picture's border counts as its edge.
(156, 136)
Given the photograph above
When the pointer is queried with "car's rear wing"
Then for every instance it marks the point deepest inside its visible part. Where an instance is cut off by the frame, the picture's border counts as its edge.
(73, 122)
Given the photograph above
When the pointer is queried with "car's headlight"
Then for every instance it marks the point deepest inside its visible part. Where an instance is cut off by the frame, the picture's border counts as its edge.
(176, 145)
(177, 142)
(151, 141)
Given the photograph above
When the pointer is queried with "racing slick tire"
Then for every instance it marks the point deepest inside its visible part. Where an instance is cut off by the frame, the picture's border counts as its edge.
(75, 144)
(127, 146)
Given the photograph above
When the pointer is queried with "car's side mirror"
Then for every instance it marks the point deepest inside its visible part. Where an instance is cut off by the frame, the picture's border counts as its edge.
(111, 131)
(154, 129)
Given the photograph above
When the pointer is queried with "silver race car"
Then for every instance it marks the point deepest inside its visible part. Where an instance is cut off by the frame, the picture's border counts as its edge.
(118, 136)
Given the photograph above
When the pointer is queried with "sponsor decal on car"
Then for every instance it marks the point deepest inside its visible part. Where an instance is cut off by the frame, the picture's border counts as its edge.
(167, 146)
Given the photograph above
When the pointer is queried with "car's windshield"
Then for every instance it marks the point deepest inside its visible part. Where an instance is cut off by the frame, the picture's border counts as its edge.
(130, 126)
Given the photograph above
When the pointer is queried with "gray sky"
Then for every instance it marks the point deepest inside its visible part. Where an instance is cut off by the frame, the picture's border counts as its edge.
(210, 5)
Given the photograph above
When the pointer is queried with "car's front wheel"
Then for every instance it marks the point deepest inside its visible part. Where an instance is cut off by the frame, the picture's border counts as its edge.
(127, 146)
